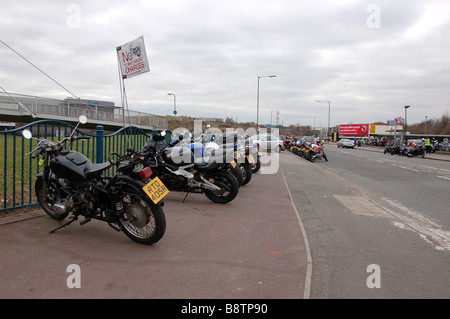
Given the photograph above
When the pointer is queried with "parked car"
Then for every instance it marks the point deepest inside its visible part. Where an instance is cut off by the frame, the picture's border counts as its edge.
(267, 142)
(346, 143)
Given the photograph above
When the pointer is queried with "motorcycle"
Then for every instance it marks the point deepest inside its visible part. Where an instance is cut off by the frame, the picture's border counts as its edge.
(181, 171)
(313, 152)
(393, 148)
(244, 154)
(71, 183)
(413, 150)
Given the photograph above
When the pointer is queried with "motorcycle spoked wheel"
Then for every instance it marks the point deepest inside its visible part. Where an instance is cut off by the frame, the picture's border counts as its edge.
(48, 197)
(228, 184)
(143, 221)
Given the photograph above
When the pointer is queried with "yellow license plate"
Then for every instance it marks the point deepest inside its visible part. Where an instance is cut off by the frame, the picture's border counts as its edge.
(156, 190)
(250, 159)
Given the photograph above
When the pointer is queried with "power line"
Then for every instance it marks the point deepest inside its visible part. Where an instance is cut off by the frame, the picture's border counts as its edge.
(59, 84)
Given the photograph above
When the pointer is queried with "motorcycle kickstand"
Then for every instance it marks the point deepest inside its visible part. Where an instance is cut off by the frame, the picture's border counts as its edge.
(185, 197)
(74, 218)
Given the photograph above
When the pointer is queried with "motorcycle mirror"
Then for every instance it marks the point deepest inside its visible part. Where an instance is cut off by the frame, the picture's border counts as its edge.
(27, 134)
(82, 119)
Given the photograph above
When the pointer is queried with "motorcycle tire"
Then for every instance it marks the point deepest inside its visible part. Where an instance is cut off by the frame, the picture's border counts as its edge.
(237, 173)
(48, 197)
(228, 184)
(246, 169)
(143, 221)
(256, 166)
(325, 157)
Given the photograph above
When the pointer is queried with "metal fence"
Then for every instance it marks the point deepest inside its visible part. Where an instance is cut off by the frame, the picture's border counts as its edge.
(18, 170)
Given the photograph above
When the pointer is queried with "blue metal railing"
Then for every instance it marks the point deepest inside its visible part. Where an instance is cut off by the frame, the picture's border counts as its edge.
(18, 171)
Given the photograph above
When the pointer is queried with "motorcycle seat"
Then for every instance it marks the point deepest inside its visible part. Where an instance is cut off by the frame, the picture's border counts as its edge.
(219, 156)
(96, 169)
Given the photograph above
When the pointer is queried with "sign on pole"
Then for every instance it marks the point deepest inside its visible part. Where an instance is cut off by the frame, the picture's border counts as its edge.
(133, 58)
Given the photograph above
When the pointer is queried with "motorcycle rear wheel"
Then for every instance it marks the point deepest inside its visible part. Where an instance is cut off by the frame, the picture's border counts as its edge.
(143, 221)
(228, 184)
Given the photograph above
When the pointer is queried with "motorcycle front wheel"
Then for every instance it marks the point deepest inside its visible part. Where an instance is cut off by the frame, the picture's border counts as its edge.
(143, 221)
(49, 196)
(228, 184)
(238, 174)
(256, 165)
(247, 172)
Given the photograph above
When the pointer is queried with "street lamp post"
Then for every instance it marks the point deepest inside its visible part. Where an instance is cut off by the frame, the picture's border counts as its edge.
(257, 101)
(406, 122)
(329, 108)
(426, 118)
(174, 103)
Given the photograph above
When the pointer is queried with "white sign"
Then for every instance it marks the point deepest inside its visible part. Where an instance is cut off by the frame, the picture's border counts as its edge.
(133, 58)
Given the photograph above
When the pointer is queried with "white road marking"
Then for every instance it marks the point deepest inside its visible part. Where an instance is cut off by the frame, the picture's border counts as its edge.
(409, 168)
(428, 230)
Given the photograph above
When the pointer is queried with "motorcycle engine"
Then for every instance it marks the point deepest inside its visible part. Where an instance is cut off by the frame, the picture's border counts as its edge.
(85, 199)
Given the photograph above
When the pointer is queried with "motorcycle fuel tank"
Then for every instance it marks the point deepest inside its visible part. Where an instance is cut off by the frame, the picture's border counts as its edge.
(178, 155)
(70, 165)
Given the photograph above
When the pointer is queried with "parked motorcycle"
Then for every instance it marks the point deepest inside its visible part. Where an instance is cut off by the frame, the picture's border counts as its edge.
(245, 154)
(71, 183)
(181, 171)
(313, 152)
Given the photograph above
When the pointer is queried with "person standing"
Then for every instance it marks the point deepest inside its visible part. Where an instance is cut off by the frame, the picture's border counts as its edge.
(427, 145)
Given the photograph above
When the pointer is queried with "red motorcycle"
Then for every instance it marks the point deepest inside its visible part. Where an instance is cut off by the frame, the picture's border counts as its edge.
(313, 152)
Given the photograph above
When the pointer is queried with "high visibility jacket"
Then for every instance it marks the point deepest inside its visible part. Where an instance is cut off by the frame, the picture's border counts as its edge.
(427, 142)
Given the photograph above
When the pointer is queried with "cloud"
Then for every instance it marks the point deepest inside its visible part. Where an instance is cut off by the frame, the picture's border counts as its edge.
(210, 53)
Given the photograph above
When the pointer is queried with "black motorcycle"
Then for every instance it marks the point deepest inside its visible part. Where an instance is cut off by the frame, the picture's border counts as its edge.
(181, 171)
(71, 183)
(416, 149)
(393, 148)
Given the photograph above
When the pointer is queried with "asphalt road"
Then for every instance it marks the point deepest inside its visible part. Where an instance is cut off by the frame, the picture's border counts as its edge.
(369, 214)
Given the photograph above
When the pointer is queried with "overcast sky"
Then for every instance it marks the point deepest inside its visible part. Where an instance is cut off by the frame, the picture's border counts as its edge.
(369, 58)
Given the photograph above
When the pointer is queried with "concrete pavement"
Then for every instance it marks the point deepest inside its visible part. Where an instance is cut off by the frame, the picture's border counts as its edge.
(251, 248)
